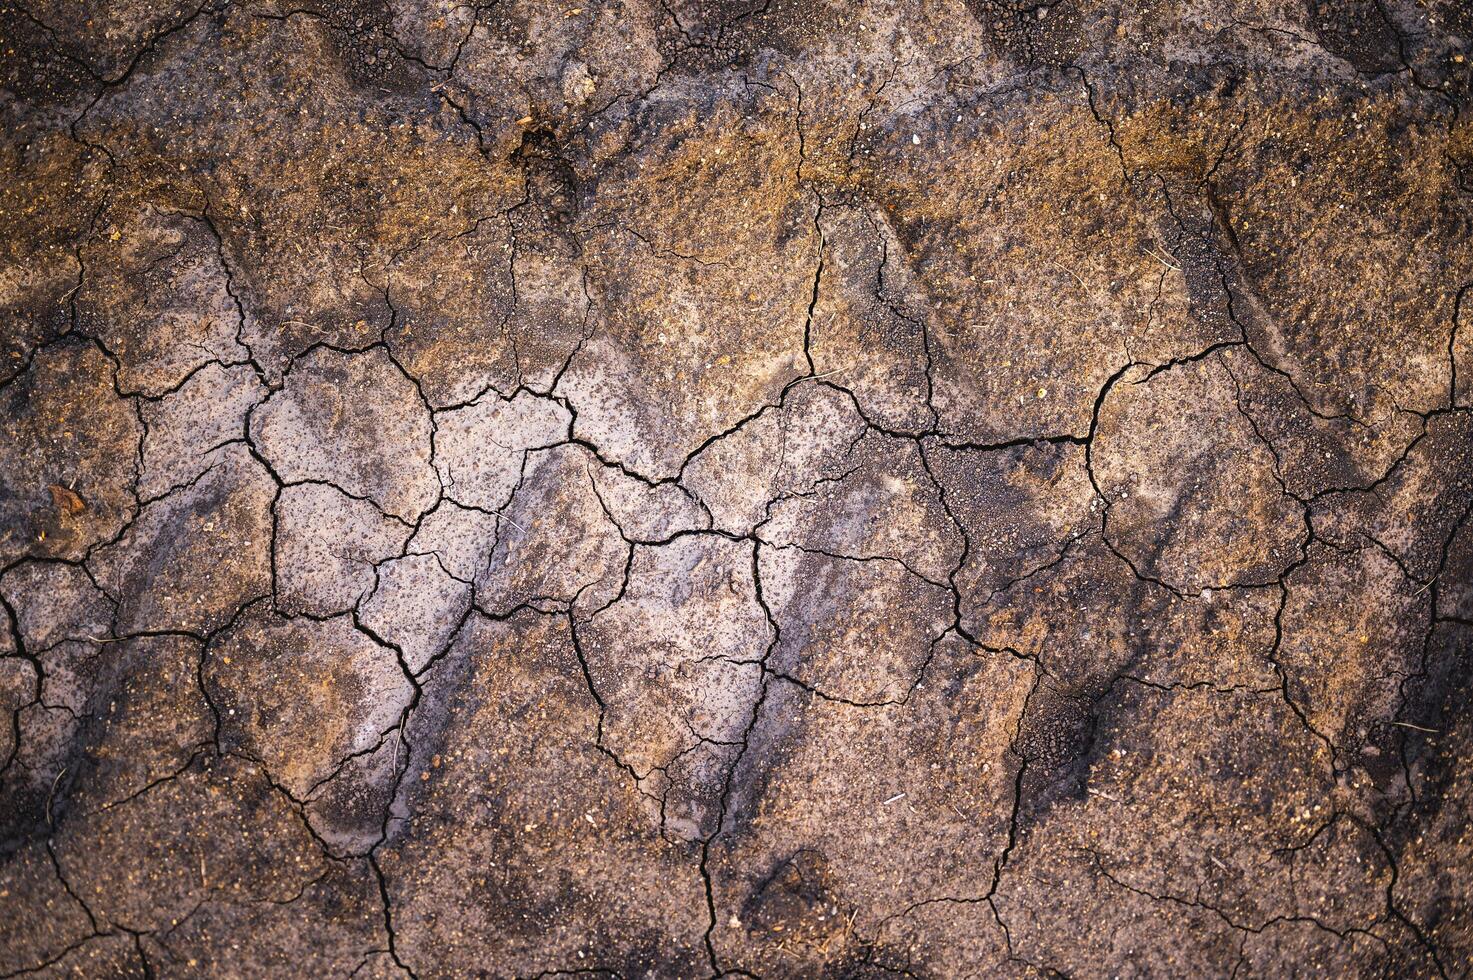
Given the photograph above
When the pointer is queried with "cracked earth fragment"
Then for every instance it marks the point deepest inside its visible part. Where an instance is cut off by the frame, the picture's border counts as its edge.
(332, 413)
(701, 489)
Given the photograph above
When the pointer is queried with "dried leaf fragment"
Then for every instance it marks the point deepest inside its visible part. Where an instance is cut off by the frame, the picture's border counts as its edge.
(65, 501)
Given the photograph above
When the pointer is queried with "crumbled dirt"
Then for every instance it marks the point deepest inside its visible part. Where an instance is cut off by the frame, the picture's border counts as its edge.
(684, 488)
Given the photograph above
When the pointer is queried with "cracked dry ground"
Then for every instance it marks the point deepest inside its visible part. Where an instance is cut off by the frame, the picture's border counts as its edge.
(698, 488)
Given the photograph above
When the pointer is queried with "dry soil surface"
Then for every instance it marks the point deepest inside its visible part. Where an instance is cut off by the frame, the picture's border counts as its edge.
(679, 488)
